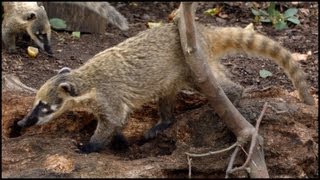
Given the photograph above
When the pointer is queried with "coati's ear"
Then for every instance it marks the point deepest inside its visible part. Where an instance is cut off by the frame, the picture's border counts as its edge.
(67, 88)
(64, 70)
(29, 16)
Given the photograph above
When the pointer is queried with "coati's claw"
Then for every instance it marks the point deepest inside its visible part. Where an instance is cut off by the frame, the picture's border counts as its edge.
(87, 148)
(119, 143)
(12, 51)
(157, 129)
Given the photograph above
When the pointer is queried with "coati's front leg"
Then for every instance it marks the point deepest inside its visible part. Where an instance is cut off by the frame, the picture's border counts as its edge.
(166, 107)
(108, 128)
(9, 40)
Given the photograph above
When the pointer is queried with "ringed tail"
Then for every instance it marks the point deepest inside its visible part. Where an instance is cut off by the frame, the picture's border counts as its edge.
(233, 39)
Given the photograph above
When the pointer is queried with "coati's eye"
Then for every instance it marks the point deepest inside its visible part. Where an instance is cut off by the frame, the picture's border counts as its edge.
(37, 33)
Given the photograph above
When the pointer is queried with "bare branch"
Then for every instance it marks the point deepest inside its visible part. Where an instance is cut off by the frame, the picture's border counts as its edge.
(232, 159)
(253, 142)
(213, 152)
(189, 164)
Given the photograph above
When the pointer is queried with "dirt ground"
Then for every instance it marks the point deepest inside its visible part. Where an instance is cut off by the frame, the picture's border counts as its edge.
(291, 139)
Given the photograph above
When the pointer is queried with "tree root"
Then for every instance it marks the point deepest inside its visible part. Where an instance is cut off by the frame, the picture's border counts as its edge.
(237, 146)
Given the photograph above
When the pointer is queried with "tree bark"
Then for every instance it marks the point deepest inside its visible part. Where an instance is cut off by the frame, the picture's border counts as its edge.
(197, 60)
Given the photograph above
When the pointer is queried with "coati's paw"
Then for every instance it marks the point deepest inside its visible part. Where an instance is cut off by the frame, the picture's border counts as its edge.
(12, 51)
(119, 143)
(48, 50)
(155, 130)
(88, 148)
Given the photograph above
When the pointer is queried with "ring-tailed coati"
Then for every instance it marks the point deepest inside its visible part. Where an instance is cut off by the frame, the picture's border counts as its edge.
(30, 18)
(148, 66)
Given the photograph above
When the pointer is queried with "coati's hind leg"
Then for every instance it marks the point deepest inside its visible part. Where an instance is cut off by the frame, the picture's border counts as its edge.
(233, 90)
(166, 107)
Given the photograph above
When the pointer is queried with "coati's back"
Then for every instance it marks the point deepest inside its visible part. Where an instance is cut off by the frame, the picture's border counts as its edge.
(152, 65)
(141, 68)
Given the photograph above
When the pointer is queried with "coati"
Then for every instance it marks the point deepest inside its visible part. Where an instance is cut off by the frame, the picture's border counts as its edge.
(148, 66)
(21, 17)
(31, 18)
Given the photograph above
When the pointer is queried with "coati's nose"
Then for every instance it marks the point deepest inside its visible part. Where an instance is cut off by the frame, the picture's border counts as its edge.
(47, 48)
(21, 123)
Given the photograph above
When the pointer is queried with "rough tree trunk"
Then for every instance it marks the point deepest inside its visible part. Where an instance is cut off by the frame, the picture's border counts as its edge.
(197, 59)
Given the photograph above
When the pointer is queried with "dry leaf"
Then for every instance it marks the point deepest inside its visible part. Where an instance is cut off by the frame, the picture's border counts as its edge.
(309, 53)
(250, 27)
(153, 25)
(223, 15)
(299, 57)
(305, 11)
(172, 15)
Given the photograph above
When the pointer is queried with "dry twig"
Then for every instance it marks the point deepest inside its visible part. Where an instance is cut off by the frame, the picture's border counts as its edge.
(254, 138)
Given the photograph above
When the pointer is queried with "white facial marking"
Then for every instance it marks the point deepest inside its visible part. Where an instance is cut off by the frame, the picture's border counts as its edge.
(54, 107)
(45, 119)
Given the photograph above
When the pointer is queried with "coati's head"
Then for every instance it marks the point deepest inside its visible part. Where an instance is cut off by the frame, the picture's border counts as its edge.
(38, 28)
(52, 99)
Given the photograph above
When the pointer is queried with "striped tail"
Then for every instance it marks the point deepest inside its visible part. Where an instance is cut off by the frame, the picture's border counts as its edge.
(232, 39)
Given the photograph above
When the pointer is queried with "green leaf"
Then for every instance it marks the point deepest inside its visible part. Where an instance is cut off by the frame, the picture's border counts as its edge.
(76, 34)
(263, 12)
(271, 9)
(294, 20)
(263, 19)
(290, 12)
(264, 73)
(255, 12)
(58, 24)
(280, 25)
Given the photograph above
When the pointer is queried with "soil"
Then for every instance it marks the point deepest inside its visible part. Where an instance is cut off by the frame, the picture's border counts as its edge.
(291, 139)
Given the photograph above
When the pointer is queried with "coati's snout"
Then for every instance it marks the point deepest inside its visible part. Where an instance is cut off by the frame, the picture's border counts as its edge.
(40, 114)
(39, 28)
(44, 42)
(28, 121)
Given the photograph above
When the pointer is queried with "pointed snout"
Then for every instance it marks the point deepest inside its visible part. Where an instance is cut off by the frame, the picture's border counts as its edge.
(47, 48)
(22, 123)
(29, 120)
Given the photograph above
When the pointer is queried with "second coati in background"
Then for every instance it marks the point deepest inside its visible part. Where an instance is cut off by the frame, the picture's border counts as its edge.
(31, 18)
(149, 66)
